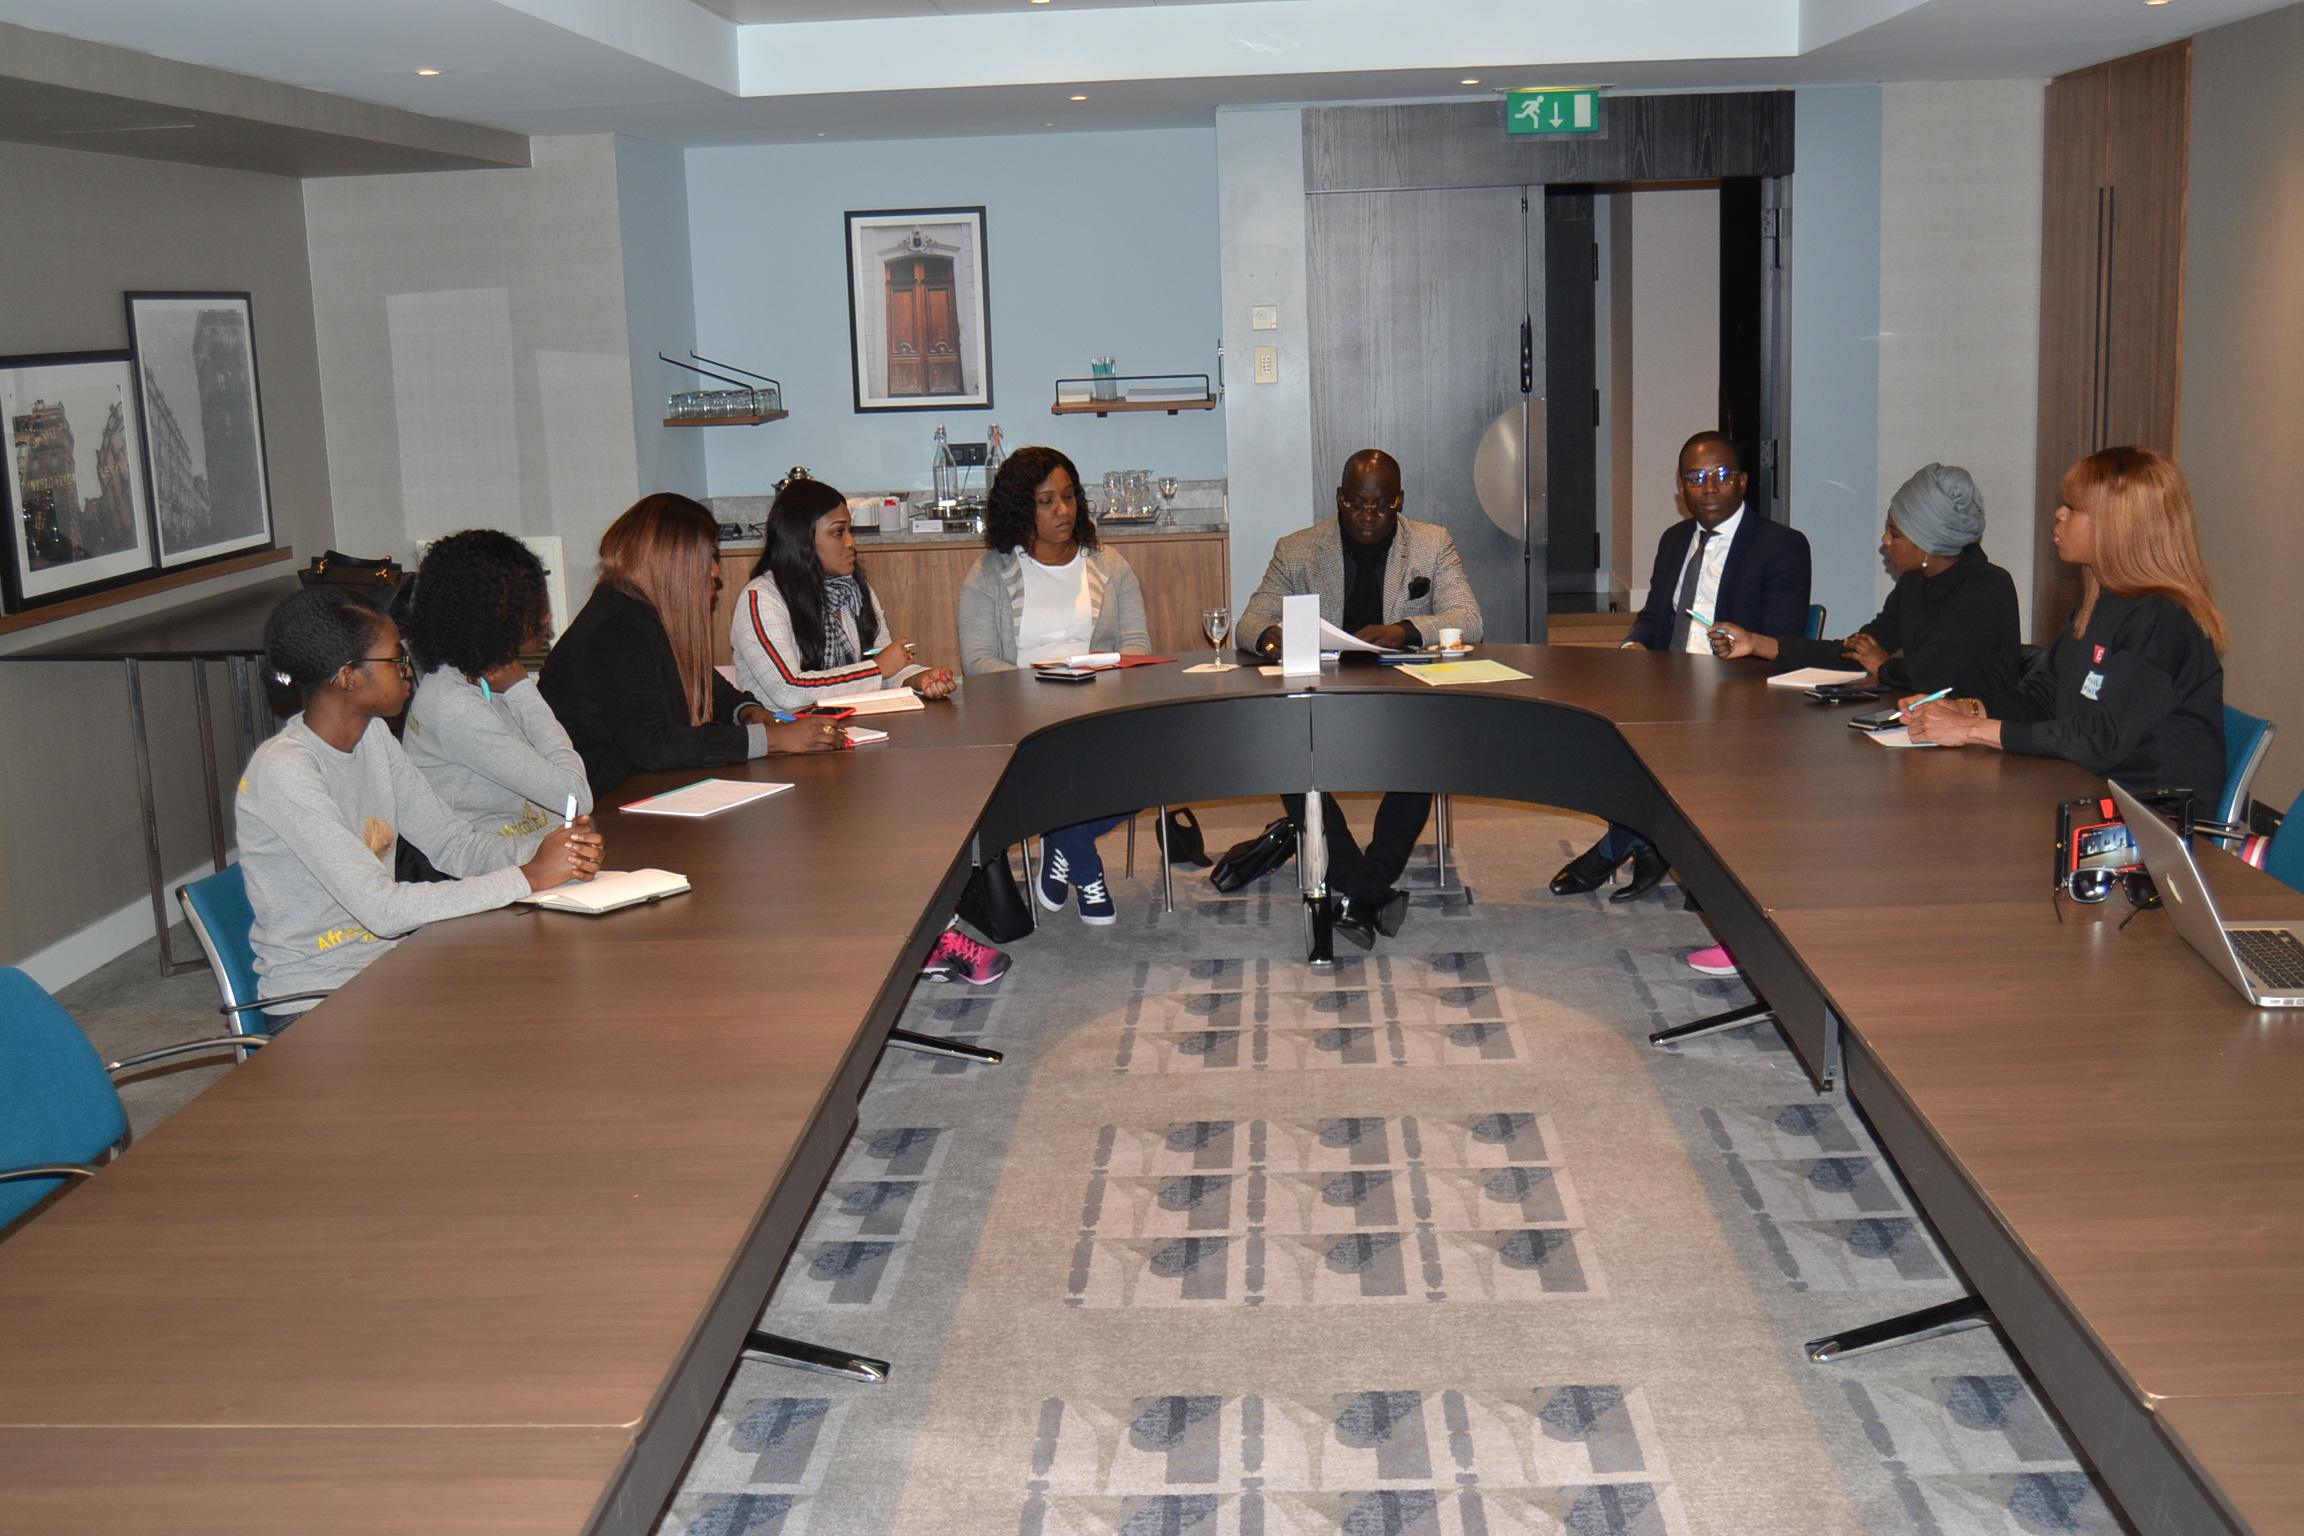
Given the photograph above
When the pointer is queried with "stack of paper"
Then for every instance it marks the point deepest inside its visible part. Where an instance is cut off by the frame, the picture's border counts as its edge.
(1814, 677)
(887, 701)
(705, 797)
(1445, 672)
(609, 890)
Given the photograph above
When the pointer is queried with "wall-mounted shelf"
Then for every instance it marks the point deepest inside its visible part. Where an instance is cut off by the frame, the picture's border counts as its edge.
(725, 421)
(1169, 392)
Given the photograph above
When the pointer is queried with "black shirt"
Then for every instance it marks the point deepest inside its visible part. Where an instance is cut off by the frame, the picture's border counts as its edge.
(615, 685)
(1363, 578)
(2138, 699)
(1957, 629)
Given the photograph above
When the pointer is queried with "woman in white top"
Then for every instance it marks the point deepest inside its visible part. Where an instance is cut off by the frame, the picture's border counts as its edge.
(808, 624)
(482, 734)
(1045, 590)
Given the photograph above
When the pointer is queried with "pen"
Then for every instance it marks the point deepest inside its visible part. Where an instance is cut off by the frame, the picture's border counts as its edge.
(1930, 699)
(1699, 618)
(568, 816)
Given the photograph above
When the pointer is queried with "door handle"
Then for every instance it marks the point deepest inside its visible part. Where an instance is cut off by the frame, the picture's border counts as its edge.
(1527, 354)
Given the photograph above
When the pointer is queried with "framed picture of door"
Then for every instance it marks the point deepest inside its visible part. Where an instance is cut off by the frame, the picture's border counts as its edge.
(919, 315)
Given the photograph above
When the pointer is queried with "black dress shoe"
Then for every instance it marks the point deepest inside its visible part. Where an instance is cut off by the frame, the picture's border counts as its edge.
(1352, 920)
(1648, 870)
(1588, 871)
(1389, 913)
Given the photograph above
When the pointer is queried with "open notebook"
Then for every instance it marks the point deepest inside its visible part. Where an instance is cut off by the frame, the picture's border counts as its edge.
(609, 890)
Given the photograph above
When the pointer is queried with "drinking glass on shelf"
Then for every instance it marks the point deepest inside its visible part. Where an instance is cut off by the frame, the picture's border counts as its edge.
(1217, 622)
(1167, 490)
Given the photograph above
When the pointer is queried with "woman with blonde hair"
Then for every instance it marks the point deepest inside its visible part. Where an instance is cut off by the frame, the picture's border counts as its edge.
(633, 681)
(2133, 689)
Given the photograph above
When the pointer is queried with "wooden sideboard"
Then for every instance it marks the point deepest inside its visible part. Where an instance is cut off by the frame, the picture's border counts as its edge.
(1183, 571)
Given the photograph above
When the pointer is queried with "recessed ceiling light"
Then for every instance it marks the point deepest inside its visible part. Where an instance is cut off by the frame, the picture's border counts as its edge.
(1467, 82)
(2155, 2)
(1079, 98)
(427, 71)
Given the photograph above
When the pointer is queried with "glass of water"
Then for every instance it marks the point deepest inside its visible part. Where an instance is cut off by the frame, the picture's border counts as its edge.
(1218, 623)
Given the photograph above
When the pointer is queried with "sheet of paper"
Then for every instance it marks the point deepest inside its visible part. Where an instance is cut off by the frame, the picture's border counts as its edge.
(1333, 639)
(608, 890)
(887, 701)
(705, 797)
(1901, 736)
(1813, 677)
(864, 735)
(1443, 673)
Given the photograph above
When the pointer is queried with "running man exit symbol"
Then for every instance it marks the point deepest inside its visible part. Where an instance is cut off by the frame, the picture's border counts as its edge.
(1570, 109)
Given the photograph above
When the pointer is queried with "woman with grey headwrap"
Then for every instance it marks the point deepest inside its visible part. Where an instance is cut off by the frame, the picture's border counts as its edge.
(1951, 621)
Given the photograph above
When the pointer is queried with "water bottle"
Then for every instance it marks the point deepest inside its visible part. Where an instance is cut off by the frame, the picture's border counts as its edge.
(995, 454)
(944, 475)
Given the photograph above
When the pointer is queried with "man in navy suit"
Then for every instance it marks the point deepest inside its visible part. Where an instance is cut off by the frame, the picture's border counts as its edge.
(1728, 564)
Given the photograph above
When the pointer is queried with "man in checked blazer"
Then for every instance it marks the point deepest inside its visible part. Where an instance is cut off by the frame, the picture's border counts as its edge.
(1394, 582)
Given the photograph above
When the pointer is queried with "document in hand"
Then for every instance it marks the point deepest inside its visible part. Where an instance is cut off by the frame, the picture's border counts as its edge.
(1813, 677)
(706, 797)
(609, 890)
(1900, 736)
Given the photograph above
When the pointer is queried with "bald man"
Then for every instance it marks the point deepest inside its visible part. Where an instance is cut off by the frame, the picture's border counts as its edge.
(1393, 582)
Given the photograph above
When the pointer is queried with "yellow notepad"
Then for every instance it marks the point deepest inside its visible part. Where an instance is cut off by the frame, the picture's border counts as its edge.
(1442, 673)
(609, 890)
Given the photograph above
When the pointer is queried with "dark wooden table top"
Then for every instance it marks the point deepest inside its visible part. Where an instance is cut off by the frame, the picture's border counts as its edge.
(491, 1186)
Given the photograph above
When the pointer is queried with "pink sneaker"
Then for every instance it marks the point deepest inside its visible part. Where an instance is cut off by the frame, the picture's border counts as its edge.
(958, 957)
(1715, 961)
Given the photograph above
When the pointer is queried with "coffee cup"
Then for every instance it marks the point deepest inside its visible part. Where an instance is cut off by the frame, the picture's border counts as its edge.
(1451, 639)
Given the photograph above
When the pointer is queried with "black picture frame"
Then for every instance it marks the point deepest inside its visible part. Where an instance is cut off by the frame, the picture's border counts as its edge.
(78, 516)
(875, 239)
(206, 471)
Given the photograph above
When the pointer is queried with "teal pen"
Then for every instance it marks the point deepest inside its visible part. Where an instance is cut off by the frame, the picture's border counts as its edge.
(1699, 618)
(1930, 699)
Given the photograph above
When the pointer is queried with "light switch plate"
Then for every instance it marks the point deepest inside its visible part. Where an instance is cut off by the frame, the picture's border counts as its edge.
(1263, 317)
(1267, 365)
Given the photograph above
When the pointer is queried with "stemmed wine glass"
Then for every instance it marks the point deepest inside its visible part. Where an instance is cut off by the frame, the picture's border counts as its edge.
(1217, 622)
(1167, 491)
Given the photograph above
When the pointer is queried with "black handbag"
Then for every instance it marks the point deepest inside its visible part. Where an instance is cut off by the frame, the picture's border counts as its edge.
(1185, 845)
(1255, 858)
(993, 904)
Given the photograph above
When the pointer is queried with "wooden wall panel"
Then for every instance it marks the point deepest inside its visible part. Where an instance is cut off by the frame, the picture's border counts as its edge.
(2111, 281)
(1181, 571)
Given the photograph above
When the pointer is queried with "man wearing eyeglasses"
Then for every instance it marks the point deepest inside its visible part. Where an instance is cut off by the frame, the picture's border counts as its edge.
(1722, 563)
(1391, 581)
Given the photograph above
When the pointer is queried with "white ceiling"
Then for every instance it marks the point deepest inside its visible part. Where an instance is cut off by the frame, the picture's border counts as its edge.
(746, 71)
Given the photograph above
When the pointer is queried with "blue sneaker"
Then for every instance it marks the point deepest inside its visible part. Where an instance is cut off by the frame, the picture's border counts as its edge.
(1096, 909)
(1055, 882)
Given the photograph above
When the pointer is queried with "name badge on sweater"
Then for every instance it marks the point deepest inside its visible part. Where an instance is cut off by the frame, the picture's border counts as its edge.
(2092, 685)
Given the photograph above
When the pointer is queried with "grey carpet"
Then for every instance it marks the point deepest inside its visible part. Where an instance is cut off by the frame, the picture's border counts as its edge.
(1436, 1244)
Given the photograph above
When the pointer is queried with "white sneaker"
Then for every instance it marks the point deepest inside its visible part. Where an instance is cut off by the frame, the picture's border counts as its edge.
(1096, 909)
(1055, 882)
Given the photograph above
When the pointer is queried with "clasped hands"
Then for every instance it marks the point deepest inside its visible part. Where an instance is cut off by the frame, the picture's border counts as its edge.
(1730, 641)
(567, 853)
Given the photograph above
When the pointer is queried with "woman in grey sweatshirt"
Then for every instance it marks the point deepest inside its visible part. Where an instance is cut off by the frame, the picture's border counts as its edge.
(478, 728)
(323, 804)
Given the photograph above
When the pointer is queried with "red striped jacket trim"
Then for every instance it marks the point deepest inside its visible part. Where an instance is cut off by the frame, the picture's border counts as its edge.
(800, 679)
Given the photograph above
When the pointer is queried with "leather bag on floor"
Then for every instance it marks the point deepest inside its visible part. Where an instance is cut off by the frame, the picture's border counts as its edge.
(1255, 858)
(993, 904)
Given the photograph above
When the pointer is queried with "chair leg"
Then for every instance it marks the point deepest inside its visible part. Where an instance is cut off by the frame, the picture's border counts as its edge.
(937, 1045)
(1032, 883)
(1167, 869)
(1439, 842)
(1710, 1023)
(1911, 1328)
(1130, 870)
(803, 1356)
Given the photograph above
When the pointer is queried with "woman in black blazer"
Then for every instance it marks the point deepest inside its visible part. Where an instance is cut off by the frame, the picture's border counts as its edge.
(633, 680)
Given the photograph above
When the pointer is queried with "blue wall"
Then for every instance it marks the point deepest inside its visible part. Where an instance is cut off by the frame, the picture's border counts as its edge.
(1097, 244)
(1835, 444)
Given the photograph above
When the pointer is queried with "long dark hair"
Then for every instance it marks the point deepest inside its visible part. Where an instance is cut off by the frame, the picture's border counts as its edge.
(1009, 520)
(479, 595)
(663, 550)
(790, 557)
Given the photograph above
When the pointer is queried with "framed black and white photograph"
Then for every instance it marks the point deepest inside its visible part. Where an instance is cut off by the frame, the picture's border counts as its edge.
(203, 424)
(919, 316)
(77, 516)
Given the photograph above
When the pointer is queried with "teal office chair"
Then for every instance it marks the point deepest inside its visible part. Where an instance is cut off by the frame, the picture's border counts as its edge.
(217, 910)
(60, 1116)
(1815, 628)
(2284, 858)
(2246, 740)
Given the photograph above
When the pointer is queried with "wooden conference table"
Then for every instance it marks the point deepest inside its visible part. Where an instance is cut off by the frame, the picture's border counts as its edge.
(474, 1246)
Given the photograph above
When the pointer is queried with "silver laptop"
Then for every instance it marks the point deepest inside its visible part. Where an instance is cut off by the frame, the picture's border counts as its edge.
(2264, 960)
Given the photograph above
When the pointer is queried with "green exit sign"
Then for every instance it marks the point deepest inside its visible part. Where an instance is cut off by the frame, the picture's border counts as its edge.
(1570, 109)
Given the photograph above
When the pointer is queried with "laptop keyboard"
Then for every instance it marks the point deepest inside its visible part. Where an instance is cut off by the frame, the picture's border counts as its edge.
(2272, 955)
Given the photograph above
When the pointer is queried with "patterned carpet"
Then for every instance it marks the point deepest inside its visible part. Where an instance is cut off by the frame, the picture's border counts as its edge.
(1434, 1245)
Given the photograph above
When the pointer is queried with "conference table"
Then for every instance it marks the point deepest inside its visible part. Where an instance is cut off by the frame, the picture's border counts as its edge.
(474, 1246)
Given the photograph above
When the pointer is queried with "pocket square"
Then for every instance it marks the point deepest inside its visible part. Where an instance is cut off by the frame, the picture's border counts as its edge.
(1419, 586)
